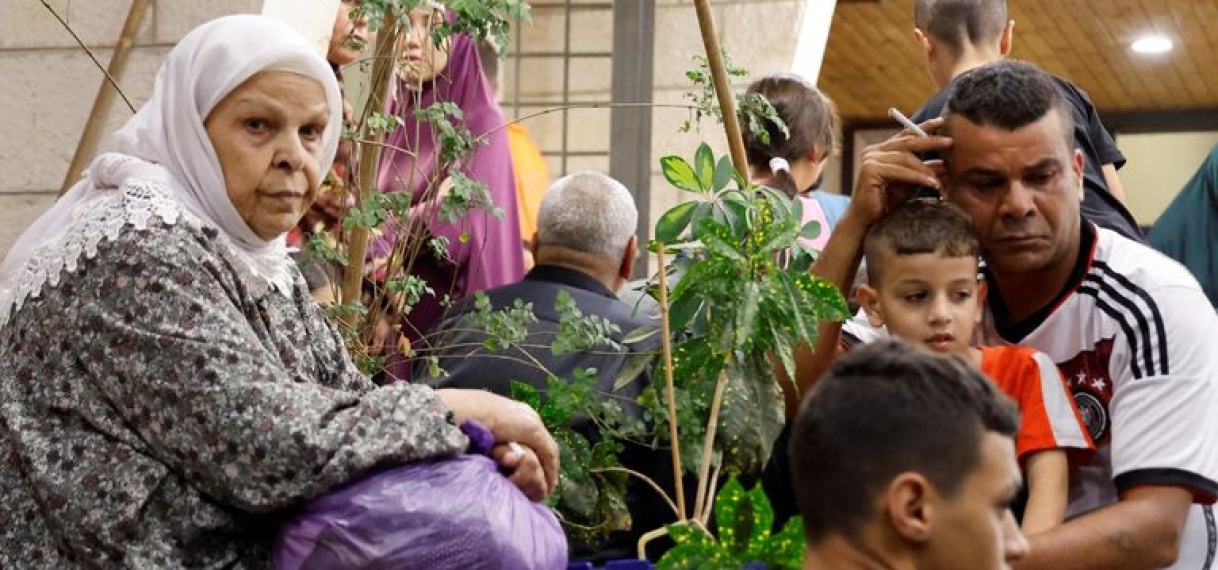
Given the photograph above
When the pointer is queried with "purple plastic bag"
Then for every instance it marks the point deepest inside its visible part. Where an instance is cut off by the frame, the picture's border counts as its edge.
(453, 513)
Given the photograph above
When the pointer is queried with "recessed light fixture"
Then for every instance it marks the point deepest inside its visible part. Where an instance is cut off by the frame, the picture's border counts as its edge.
(1151, 44)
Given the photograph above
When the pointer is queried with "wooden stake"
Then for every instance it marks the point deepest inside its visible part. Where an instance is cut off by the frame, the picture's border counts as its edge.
(678, 476)
(87, 146)
(369, 159)
(723, 89)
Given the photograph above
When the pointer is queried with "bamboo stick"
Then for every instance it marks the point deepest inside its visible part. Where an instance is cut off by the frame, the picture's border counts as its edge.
(708, 447)
(723, 89)
(668, 384)
(87, 146)
(369, 161)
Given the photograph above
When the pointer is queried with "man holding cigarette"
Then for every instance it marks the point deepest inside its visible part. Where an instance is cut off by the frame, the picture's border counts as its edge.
(1130, 329)
(957, 35)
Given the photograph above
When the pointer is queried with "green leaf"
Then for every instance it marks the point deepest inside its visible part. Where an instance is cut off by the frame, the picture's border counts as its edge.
(733, 516)
(640, 334)
(703, 211)
(786, 549)
(681, 310)
(751, 416)
(746, 316)
(680, 174)
(682, 534)
(811, 230)
(784, 346)
(723, 173)
(672, 224)
(633, 368)
(718, 239)
(704, 163)
(524, 392)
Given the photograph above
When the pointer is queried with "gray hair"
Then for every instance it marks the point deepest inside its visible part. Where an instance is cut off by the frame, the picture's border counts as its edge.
(588, 212)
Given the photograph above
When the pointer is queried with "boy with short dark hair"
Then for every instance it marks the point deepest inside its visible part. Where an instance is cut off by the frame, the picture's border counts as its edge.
(881, 483)
(922, 266)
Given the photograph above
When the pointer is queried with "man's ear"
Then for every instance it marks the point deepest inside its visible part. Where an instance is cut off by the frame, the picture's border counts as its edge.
(1076, 164)
(869, 299)
(924, 43)
(910, 503)
(533, 245)
(1007, 39)
(626, 266)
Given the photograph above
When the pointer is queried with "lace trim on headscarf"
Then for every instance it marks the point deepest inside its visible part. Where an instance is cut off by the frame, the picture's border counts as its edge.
(138, 204)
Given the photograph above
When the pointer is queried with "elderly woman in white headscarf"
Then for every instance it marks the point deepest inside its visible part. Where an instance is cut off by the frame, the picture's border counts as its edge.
(167, 386)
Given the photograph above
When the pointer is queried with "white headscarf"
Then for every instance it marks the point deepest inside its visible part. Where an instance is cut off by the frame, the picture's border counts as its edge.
(165, 149)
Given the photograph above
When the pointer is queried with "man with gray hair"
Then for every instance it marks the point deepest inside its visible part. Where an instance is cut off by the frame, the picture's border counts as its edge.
(585, 247)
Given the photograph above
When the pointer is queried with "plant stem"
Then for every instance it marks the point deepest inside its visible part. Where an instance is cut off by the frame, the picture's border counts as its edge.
(668, 384)
(714, 480)
(708, 446)
(645, 479)
(369, 160)
(648, 537)
(723, 89)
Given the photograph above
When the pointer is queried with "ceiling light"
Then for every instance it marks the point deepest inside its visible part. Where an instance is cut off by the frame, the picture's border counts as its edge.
(1151, 44)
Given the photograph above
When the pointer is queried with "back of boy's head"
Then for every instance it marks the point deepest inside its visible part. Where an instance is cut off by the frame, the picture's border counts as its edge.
(957, 23)
(919, 226)
(884, 409)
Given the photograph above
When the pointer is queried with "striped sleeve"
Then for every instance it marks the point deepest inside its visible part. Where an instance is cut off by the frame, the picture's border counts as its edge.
(1050, 420)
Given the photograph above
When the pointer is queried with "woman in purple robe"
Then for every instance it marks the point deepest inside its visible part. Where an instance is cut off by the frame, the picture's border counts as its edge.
(484, 250)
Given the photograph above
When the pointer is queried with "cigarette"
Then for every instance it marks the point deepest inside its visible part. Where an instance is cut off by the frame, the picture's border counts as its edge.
(905, 122)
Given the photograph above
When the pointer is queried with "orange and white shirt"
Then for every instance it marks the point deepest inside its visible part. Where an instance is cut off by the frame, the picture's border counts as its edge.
(1049, 419)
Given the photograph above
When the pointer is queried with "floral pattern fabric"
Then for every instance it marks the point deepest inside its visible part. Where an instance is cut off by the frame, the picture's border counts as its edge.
(157, 413)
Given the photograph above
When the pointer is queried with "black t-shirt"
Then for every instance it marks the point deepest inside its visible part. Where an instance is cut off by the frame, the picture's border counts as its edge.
(1090, 136)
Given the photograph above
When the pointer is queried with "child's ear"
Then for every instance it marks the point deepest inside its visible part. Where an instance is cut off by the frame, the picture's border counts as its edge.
(869, 299)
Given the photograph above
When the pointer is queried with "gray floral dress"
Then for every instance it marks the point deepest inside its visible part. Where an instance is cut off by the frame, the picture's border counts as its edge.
(161, 411)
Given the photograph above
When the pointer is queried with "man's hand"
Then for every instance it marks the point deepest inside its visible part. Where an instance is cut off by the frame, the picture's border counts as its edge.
(891, 172)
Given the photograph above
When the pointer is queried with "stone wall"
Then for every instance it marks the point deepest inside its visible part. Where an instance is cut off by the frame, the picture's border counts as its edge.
(49, 85)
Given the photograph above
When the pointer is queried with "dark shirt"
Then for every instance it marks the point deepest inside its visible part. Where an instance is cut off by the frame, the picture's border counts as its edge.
(1098, 147)
(459, 346)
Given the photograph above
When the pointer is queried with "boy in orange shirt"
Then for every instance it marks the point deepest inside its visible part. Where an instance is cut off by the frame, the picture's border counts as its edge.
(922, 268)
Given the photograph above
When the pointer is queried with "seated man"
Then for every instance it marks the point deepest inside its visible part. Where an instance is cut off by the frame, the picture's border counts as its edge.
(585, 247)
(906, 459)
(1130, 329)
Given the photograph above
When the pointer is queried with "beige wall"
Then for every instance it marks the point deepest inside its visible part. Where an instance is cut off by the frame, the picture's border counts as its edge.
(1159, 164)
(49, 85)
(759, 35)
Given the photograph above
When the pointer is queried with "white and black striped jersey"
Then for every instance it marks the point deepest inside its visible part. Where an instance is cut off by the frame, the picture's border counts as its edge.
(1137, 341)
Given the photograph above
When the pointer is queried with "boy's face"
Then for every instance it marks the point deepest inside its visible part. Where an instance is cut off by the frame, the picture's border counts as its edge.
(926, 298)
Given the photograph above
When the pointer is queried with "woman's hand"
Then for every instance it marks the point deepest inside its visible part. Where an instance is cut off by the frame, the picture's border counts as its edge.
(523, 468)
(510, 421)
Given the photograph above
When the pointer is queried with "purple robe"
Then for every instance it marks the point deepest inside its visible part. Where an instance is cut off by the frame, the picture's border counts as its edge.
(493, 254)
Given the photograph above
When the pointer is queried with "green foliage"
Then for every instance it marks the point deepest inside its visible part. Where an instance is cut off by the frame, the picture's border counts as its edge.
(446, 120)
(753, 108)
(483, 19)
(466, 194)
(577, 332)
(412, 289)
(744, 519)
(591, 494)
(743, 300)
(504, 328)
